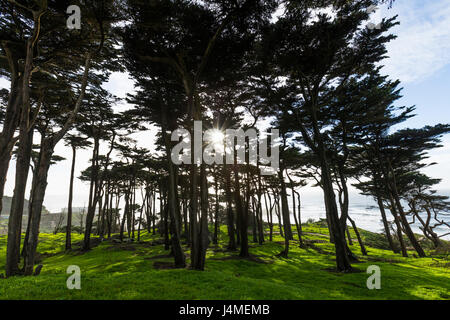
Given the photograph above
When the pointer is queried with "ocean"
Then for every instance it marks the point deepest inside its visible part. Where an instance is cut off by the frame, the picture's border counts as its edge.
(363, 210)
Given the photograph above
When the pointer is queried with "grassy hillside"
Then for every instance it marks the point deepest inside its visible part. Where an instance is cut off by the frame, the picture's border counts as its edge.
(144, 271)
(48, 221)
(7, 207)
(4, 216)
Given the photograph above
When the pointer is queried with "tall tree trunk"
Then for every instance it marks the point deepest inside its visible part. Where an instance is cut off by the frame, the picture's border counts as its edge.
(133, 210)
(104, 212)
(148, 209)
(125, 214)
(216, 213)
(144, 198)
(344, 204)
(259, 209)
(349, 237)
(406, 226)
(27, 232)
(40, 186)
(254, 219)
(300, 213)
(98, 231)
(386, 225)
(285, 214)
(285, 207)
(154, 213)
(180, 260)
(193, 221)
(10, 123)
(243, 219)
(16, 213)
(278, 214)
(358, 236)
(69, 205)
(203, 232)
(93, 196)
(18, 108)
(342, 260)
(186, 221)
(399, 227)
(24, 153)
(230, 215)
(165, 220)
(297, 222)
(269, 214)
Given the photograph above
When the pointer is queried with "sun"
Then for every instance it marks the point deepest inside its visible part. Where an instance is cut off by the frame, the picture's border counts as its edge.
(216, 136)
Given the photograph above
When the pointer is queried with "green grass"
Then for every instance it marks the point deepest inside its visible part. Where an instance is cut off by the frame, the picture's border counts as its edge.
(127, 271)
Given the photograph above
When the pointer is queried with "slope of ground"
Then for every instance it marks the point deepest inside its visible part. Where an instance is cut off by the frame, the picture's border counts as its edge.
(143, 271)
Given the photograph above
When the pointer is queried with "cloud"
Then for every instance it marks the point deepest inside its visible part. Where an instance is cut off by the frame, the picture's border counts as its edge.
(423, 44)
(119, 84)
(4, 83)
